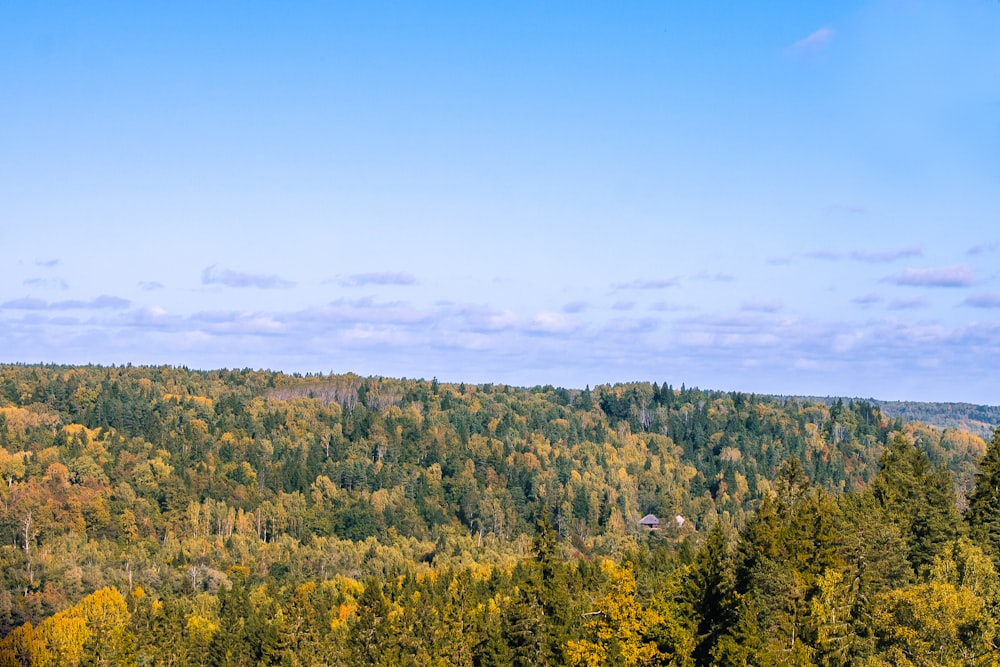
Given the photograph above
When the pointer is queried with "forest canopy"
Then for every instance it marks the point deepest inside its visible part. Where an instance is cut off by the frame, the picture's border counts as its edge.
(161, 515)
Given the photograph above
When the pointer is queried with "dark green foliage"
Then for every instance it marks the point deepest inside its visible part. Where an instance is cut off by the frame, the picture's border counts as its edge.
(918, 499)
(371, 628)
(230, 645)
(783, 557)
(983, 513)
(709, 592)
(249, 504)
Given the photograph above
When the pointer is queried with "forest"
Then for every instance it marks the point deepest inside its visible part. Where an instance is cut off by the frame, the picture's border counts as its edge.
(169, 516)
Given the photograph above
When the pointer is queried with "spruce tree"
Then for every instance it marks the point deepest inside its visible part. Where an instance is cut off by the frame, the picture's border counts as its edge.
(370, 625)
(229, 644)
(709, 592)
(917, 498)
(983, 514)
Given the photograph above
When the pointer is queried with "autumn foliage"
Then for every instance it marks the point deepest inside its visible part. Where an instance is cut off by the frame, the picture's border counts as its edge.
(163, 516)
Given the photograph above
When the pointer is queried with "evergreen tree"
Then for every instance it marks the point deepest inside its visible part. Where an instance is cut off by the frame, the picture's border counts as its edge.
(876, 553)
(709, 590)
(228, 647)
(983, 514)
(554, 593)
(371, 625)
(525, 630)
(917, 498)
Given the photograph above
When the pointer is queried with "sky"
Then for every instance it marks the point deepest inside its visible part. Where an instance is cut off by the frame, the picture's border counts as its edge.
(784, 198)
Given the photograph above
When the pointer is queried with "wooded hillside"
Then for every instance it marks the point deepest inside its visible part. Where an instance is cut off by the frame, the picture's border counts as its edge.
(167, 516)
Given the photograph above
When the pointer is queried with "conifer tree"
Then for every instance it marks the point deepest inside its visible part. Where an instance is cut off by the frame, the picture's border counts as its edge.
(371, 625)
(917, 498)
(709, 592)
(525, 630)
(983, 514)
(877, 555)
(536, 621)
(228, 646)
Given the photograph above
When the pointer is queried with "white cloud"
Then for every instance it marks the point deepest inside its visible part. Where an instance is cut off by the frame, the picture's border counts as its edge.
(848, 341)
(481, 319)
(828, 255)
(886, 255)
(53, 283)
(957, 275)
(385, 278)
(366, 302)
(714, 277)
(101, 302)
(661, 283)
(867, 299)
(761, 306)
(908, 303)
(987, 300)
(814, 42)
(633, 326)
(979, 249)
(26, 303)
(668, 307)
(214, 275)
(551, 323)
(753, 348)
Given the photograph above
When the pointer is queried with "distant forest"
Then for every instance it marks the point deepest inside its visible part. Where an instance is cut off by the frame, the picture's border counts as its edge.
(166, 516)
(980, 420)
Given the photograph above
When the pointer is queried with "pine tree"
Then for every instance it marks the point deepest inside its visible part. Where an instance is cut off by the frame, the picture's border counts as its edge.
(876, 552)
(553, 589)
(983, 514)
(917, 498)
(709, 589)
(525, 630)
(229, 645)
(370, 626)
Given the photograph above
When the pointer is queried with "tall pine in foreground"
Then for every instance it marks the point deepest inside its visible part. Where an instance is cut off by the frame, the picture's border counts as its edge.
(709, 592)
(918, 498)
(983, 514)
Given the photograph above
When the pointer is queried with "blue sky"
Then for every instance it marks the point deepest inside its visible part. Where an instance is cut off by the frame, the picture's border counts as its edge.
(780, 197)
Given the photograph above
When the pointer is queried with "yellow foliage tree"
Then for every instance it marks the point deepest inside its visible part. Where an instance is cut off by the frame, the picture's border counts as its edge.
(94, 630)
(933, 624)
(618, 628)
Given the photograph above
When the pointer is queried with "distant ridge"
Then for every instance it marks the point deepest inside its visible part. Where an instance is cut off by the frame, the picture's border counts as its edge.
(980, 420)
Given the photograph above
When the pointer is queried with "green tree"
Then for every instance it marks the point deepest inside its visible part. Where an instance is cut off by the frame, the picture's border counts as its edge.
(983, 513)
(708, 590)
(229, 646)
(371, 625)
(918, 498)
